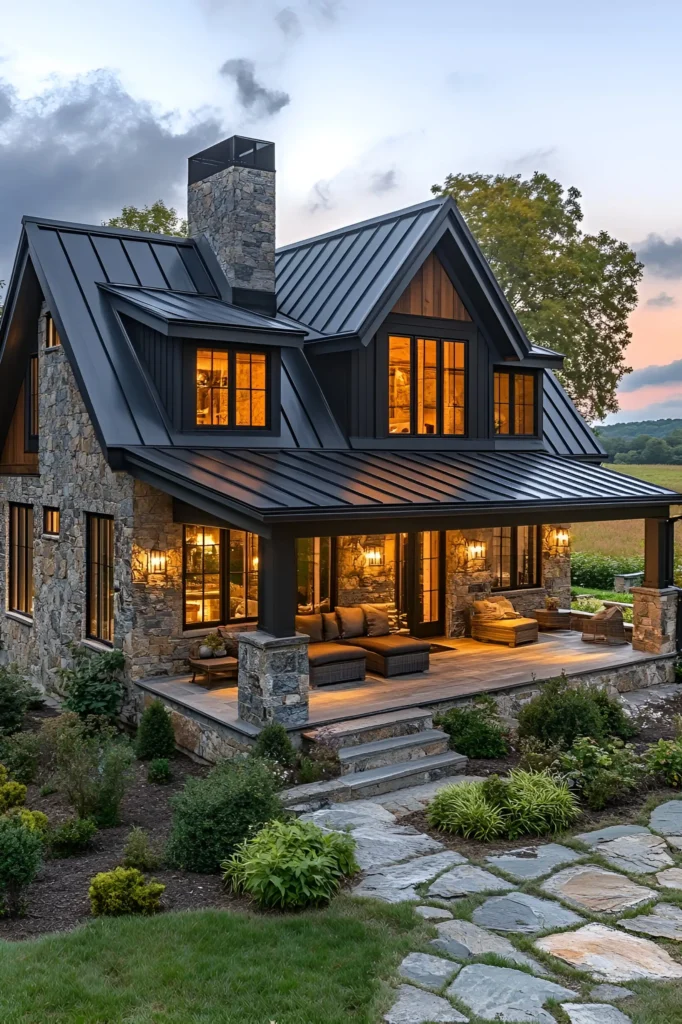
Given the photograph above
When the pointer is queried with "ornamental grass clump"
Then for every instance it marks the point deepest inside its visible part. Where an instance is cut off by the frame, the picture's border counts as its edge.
(475, 730)
(464, 810)
(124, 891)
(289, 865)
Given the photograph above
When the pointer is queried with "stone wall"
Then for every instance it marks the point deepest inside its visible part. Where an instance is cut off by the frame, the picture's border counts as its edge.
(654, 617)
(358, 582)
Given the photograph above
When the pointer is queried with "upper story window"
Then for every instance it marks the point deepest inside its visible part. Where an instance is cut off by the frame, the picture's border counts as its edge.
(52, 339)
(20, 589)
(32, 404)
(514, 403)
(426, 386)
(231, 388)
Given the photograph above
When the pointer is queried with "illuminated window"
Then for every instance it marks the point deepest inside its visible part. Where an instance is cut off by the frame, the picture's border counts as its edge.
(52, 339)
(428, 568)
(220, 576)
(314, 574)
(515, 557)
(231, 389)
(514, 403)
(426, 386)
(51, 522)
(20, 590)
(100, 578)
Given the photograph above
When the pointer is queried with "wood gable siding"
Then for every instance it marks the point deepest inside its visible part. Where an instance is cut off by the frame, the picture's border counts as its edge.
(432, 293)
(15, 459)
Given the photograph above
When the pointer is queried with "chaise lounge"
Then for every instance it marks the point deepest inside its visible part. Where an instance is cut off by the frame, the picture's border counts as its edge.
(497, 621)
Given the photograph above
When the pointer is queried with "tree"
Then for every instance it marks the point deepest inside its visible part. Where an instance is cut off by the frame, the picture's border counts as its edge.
(571, 291)
(158, 218)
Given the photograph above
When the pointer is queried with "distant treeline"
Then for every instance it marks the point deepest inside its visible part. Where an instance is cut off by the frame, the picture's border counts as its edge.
(644, 448)
(653, 428)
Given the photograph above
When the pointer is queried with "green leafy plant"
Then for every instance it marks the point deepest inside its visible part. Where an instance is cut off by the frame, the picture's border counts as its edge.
(71, 837)
(664, 759)
(597, 571)
(155, 737)
(464, 810)
(536, 755)
(20, 858)
(273, 744)
(16, 697)
(36, 821)
(475, 729)
(159, 771)
(124, 891)
(560, 713)
(602, 772)
(94, 684)
(94, 769)
(211, 816)
(292, 864)
(321, 759)
(20, 754)
(214, 641)
(12, 794)
(138, 852)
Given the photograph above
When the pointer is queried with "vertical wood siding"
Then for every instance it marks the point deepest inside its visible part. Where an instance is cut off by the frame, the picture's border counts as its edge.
(14, 459)
(432, 293)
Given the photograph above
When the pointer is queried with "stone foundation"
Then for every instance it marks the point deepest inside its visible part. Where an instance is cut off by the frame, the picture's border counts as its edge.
(654, 620)
(273, 679)
(198, 735)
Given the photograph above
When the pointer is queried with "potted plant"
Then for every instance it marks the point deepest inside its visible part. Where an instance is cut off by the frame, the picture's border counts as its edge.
(215, 646)
(552, 604)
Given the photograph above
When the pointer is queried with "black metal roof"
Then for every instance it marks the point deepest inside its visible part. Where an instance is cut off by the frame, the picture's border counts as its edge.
(285, 485)
(564, 430)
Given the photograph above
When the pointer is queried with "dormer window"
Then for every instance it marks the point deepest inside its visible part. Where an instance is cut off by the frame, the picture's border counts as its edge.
(231, 388)
(426, 386)
(514, 403)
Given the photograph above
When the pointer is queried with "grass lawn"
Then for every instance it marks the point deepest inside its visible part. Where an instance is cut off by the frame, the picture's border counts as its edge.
(212, 967)
(604, 595)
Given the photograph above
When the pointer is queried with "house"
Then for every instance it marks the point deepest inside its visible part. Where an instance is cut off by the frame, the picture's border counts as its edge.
(204, 431)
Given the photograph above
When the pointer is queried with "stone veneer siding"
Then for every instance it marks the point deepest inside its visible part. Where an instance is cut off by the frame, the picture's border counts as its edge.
(654, 617)
(235, 209)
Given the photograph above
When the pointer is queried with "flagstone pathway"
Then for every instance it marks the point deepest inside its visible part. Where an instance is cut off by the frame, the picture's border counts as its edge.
(401, 864)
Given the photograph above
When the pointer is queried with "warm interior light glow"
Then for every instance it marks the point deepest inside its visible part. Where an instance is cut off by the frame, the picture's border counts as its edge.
(156, 561)
(560, 542)
(254, 563)
(374, 556)
(476, 549)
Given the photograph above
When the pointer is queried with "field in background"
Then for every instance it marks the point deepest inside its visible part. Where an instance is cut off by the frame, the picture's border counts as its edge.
(627, 536)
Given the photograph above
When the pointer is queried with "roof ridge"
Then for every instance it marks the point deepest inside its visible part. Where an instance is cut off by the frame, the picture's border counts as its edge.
(103, 229)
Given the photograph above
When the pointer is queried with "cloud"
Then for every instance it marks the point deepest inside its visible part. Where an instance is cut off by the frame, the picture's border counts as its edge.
(648, 375)
(531, 160)
(251, 94)
(320, 197)
(383, 181)
(671, 408)
(84, 148)
(661, 301)
(329, 9)
(661, 258)
(289, 23)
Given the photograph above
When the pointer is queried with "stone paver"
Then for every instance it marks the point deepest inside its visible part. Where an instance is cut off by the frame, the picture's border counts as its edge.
(642, 854)
(520, 912)
(591, 888)
(594, 1013)
(427, 970)
(667, 818)
(396, 883)
(350, 815)
(465, 940)
(675, 842)
(665, 922)
(433, 913)
(465, 880)
(611, 955)
(533, 861)
(415, 798)
(670, 879)
(503, 994)
(610, 993)
(414, 1006)
(603, 835)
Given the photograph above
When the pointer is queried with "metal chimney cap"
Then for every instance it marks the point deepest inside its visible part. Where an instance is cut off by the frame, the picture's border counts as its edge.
(236, 151)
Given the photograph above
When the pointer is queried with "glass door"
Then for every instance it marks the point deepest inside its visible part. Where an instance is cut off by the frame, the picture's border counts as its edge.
(420, 583)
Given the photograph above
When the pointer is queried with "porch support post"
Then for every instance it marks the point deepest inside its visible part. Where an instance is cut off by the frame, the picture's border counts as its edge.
(655, 603)
(277, 584)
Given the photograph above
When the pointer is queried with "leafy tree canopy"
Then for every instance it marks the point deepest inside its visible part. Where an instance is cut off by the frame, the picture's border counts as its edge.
(158, 218)
(571, 291)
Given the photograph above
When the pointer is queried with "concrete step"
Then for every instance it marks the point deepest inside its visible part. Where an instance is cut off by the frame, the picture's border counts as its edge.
(394, 750)
(376, 781)
(357, 731)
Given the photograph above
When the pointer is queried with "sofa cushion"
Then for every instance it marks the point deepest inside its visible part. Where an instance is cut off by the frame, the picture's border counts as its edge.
(311, 625)
(509, 624)
(488, 611)
(327, 654)
(351, 621)
(330, 626)
(392, 645)
(376, 619)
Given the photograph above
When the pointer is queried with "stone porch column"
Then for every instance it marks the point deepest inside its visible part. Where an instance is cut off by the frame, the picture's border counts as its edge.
(655, 620)
(273, 678)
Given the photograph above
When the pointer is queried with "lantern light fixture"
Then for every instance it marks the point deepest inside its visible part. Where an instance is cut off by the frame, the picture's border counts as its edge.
(476, 552)
(374, 556)
(157, 561)
(560, 542)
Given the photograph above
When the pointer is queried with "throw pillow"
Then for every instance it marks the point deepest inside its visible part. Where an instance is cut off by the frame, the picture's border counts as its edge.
(351, 621)
(310, 624)
(376, 618)
(330, 626)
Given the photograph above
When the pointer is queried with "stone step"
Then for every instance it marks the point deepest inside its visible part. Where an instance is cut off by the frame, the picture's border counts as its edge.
(356, 731)
(394, 750)
(390, 777)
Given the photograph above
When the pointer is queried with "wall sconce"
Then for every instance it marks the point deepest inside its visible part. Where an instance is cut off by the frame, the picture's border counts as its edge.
(476, 551)
(157, 562)
(374, 556)
(560, 542)
(254, 563)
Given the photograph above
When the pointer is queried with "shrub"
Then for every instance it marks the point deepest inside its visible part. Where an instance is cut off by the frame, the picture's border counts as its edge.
(159, 771)
(211, 816)
(615, 721)
(124, 891)
(273, 744)
(93, 769)
(560, 713)
(602, 773)
(592, 570)
(537, 803)
(464, 810)
(664, 759)
(94, 685)
(155, 736)
(321, 760)
(16, 696)
(20, 858)
(291, 864)
(20, 754)
(12, 794)
(475, 730)
(36, 821)
(536, 755)
(71, 837)
(138, 852)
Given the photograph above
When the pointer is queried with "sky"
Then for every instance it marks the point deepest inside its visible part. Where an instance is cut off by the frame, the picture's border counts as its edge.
(369, 102)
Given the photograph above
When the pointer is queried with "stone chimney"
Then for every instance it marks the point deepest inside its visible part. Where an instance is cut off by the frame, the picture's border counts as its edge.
(231, 200)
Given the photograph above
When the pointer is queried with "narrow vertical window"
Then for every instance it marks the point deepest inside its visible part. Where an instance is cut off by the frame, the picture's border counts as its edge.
(427, 386)
(243, 576)
(399, 385)
(502, 403)
(100, 578)
(51, 522)
(429, 576)
(20, 589)
(251, 410)
(314, 574)
(524, 403)
(202, 571)
(514, 403)
(212, 388)
(527, 561)
(501, 558)
(453, 388)
(52, 339)
(32, 405)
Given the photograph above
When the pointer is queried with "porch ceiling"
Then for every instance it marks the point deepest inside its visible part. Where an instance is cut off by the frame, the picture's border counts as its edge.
(286, 487)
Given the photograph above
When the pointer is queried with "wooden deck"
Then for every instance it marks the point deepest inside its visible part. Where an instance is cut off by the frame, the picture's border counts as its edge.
(466, 669)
